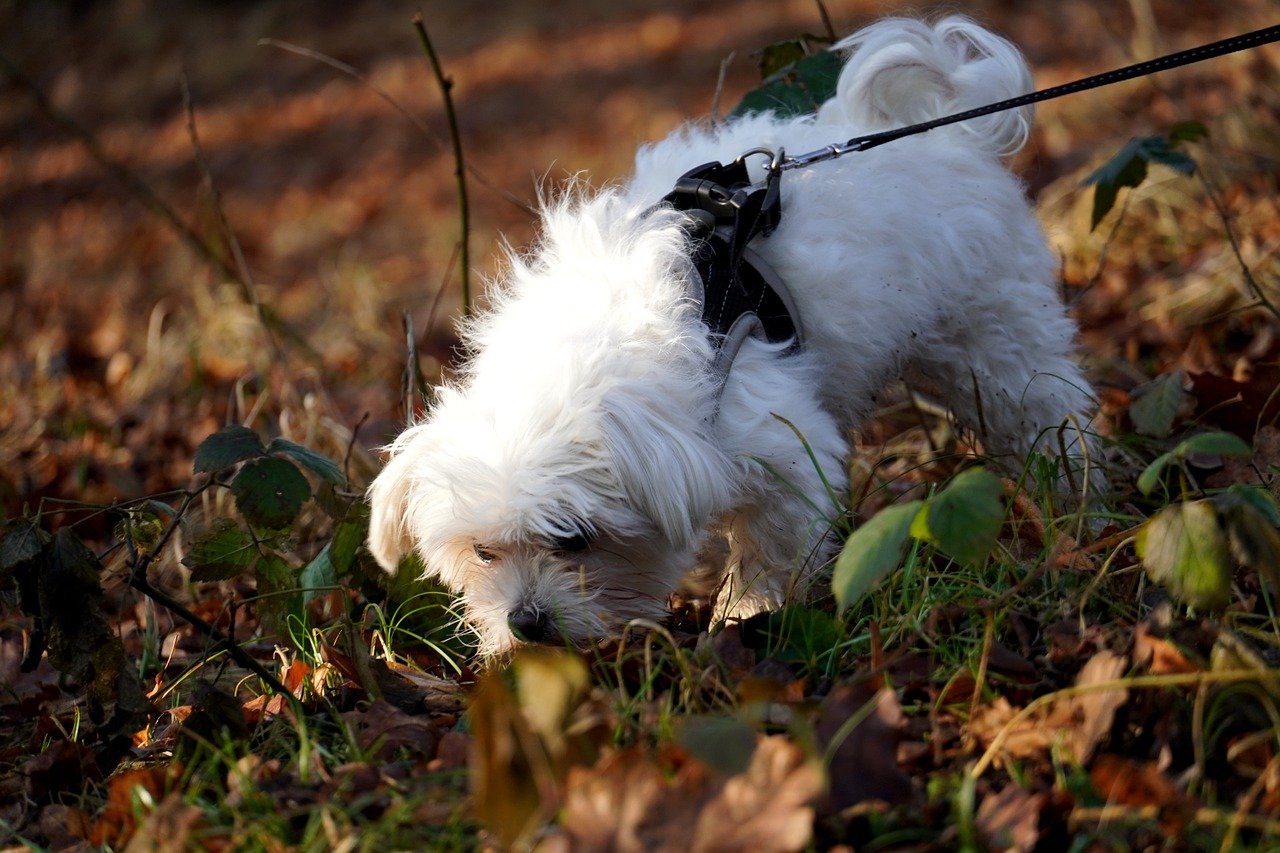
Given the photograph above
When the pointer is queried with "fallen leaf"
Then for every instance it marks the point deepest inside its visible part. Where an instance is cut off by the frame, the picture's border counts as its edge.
(1158, 655)
(1094, 712)
(452, 753)
(626, 803)
(167, 828)
(1123, 781)
(119, 820)
(608, 806)
(527, 739)
(384, 729)
(1010, 820)
(1077, 723)
(729, 650)
(1026, 739)
(859, 728)
(767, 807)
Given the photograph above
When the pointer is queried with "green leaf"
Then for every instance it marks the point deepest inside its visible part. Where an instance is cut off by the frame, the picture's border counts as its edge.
(223, 551)
(1249, 515)
(720, 742)
(1176, 160)
(1217, 443)
(279, 596)
(318, 576)
(269, 491)
(1183, 547)
(1153, 413)
(348, 536)
(800, 634)
(1259, 498)
(964, 519)
(1150, 477)
(71, 583)
(796, 90)
(1129, 167)
(872, 552)
(226, 447)
(321, 466)
(1188, 131)
(780, 56)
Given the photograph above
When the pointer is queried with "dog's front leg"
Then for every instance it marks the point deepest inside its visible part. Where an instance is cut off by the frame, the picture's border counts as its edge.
(781, 535)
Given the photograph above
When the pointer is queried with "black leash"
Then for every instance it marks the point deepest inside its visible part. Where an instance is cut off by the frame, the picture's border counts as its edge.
(1245, 41)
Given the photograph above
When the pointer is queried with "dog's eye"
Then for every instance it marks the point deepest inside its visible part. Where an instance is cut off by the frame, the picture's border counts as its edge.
(579, 541)
(484, 555)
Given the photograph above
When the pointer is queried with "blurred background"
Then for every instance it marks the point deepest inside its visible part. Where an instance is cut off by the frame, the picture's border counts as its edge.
(121, 347)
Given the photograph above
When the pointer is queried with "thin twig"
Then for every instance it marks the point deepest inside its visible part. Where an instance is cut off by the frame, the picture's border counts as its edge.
(220, 640)
(459, 168)
(131, 183)
(138, 580)
(1103, 252)
(826, 20)
(245, 276)
(417, 122)
(715, 98)
(413, 384)
(1225, 216)
(351, 444)
(440, 292)
(142, 562)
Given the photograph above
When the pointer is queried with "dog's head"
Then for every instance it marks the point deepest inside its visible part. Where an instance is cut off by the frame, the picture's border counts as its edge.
(564, 486)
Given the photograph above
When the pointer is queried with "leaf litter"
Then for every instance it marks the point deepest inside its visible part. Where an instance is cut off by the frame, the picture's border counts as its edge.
(775, 736)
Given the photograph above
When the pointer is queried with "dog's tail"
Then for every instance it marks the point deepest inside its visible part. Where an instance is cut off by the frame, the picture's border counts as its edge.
(902, 71)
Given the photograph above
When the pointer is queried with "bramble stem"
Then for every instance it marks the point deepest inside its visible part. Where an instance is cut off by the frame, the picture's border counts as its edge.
(459, 164)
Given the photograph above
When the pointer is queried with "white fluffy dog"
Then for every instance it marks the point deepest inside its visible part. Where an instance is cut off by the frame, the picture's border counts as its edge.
(589, 456)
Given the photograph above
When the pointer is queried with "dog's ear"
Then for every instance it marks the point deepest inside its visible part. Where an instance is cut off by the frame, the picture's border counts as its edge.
(389, 538)
(669, 471)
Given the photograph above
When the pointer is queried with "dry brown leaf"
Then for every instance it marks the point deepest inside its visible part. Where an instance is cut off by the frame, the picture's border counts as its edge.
(1090, 715)
(167, 829)
(1078, 722)
(63, 827)
(864, 758)
(386, 727)
(1028, 738)
(1122, 781)
(611, 806)
(1158, 655)
(439, 695)
(1010, 820)
(625, 803)
(117, 825)
(526, 740)
(765, 808)
(730, 651)
(454, 752)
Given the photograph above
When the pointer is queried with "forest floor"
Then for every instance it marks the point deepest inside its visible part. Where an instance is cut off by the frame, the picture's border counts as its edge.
(1053, 697)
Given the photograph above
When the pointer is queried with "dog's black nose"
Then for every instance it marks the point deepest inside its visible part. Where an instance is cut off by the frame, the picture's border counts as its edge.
(528, 625)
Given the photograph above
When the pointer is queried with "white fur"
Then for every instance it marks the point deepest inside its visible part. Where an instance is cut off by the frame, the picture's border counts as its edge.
(589, 403)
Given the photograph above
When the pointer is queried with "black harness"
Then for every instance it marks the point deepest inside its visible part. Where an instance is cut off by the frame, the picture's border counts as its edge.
(741, 294)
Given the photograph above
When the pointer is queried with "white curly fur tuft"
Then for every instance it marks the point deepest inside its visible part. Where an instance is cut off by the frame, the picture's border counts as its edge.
(902, 71)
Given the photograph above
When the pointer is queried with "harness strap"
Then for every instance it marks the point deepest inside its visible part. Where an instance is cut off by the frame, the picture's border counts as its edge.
(741, 294)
